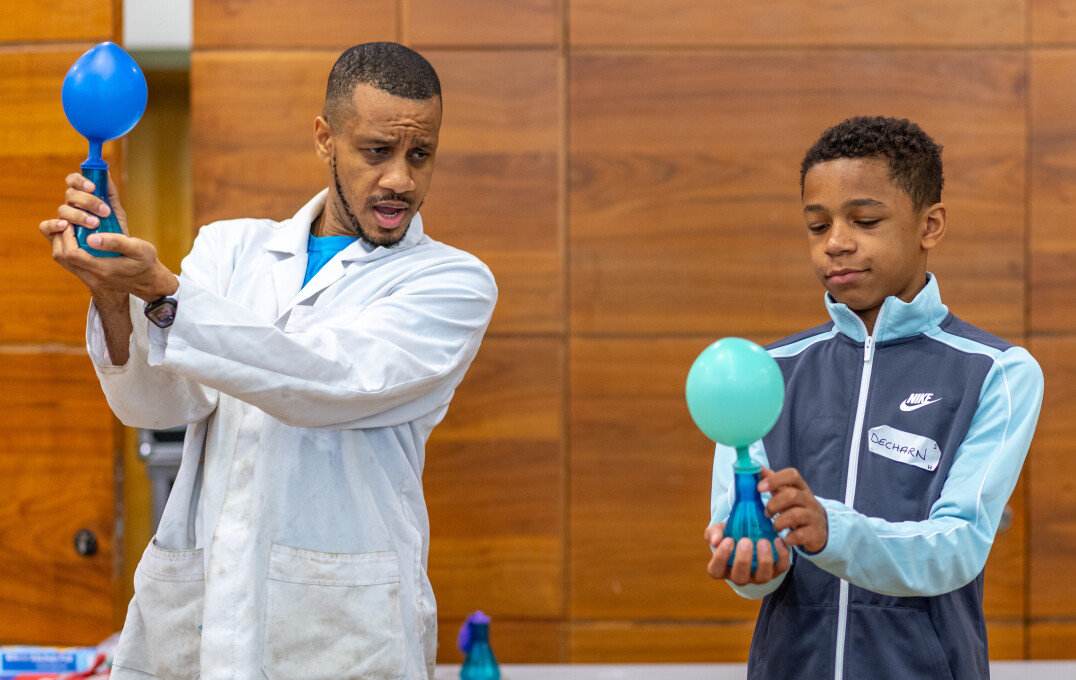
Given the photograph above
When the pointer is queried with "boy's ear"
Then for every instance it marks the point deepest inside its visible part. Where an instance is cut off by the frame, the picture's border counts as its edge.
(934, 226)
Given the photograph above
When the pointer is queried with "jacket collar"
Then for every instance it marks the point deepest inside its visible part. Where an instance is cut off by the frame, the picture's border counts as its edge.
(896, 319)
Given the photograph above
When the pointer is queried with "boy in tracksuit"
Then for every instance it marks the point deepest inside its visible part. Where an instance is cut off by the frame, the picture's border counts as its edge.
(902, 436)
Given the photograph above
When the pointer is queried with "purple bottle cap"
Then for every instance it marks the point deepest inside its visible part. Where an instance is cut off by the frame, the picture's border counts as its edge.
(464, 639)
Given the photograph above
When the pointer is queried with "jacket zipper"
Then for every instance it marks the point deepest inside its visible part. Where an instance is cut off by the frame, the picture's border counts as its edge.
(850, 488)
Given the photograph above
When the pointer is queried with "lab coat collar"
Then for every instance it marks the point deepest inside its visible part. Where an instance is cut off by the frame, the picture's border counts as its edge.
(292, 240)
(294, 234)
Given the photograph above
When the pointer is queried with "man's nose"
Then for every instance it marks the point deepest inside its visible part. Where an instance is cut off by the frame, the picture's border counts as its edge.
(397, 177)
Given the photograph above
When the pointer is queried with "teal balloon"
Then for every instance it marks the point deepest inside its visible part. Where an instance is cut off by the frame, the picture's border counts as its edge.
(735, 392)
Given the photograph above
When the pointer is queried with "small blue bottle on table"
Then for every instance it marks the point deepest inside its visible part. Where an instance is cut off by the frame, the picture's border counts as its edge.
(479, 662)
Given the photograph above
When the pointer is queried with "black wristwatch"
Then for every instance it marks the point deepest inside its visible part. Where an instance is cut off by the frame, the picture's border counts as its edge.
(162, 311)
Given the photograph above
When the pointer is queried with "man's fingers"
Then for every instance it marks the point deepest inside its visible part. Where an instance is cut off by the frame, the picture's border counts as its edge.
(50, 228)
(113, 243)
(78, 181)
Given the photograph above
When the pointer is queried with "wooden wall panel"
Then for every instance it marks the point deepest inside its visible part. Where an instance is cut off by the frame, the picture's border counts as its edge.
(660, 642)
(533, 23)
(494, 482)
(56, 456)
(692, 191)
(32, 124)
(1007, 638)
(247, 163)
(1051, 22)
(1049, 640)
(1005, 592)
(1052, 469)
(42, 303)
(513, 641)
(61, 20)
(281, 24)
(889, 23)
(495, 191)
(1052, 190)
(57, 464)
(640, 486)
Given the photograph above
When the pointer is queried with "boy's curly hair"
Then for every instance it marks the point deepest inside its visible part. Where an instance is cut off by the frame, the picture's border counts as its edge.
(914, 159)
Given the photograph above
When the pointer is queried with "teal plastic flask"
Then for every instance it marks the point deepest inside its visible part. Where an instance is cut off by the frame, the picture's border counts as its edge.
(748, 517)
(479, 662)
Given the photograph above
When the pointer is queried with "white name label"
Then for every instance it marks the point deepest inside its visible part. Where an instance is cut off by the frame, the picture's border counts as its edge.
(904, 447)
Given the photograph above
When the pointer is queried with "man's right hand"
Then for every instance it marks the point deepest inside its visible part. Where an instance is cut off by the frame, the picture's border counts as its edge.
(740, 572)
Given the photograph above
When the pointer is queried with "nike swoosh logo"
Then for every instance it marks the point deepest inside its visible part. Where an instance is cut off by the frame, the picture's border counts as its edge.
(905, 407)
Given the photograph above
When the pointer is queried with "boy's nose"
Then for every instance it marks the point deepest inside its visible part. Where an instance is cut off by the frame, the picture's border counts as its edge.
(841, 238)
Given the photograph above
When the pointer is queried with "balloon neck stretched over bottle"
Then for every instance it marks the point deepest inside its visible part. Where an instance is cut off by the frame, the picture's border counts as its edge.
(744, 464)
(94, 161)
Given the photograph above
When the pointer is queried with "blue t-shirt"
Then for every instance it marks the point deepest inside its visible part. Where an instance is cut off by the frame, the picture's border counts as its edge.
(321, 249)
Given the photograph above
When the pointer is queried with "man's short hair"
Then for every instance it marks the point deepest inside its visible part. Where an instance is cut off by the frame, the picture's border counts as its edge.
(914, 159)
(390, 67)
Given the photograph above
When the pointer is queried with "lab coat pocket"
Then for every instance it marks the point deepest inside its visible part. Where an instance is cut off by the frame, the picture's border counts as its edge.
(333, 616)
(163, 633)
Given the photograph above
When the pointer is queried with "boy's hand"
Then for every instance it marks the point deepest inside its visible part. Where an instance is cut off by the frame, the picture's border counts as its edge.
(740, 573)
(795, 508)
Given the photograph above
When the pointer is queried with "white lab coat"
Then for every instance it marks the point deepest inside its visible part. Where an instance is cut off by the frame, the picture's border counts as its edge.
(294, 543)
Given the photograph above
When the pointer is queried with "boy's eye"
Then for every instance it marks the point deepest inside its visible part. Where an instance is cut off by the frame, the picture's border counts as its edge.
(817, 228)
(867, 223)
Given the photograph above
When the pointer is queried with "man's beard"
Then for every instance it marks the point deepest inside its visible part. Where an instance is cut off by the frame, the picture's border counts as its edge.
(353, 220)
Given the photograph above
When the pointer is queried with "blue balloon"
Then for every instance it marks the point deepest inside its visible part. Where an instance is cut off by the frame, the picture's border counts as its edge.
(735, 392)
(104, 95)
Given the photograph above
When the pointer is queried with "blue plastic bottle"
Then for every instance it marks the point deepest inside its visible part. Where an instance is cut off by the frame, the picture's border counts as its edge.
(748, 517)
(99, 177)
(479, 662)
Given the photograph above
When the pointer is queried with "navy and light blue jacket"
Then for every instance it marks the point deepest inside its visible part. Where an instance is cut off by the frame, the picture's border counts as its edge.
(912, 439)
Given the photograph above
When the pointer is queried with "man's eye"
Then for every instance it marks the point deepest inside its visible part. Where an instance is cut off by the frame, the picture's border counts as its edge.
(420, 155)
(378, 151)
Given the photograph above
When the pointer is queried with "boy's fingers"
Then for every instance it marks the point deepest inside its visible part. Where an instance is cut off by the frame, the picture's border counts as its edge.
(713, 534)
(718, 566)
(765, 569)
(740, 574)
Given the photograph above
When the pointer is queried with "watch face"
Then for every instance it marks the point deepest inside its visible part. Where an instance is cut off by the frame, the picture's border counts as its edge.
(162, 312)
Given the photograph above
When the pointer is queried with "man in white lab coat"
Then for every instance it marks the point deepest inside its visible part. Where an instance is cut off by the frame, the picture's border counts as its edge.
(310, 359)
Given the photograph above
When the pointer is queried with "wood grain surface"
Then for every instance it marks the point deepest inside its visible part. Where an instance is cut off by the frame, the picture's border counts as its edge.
(279, 24)
(681, 196)
(823, 24)
(57, 464)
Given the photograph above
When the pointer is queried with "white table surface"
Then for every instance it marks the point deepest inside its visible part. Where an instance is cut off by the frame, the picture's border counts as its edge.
(999, 670)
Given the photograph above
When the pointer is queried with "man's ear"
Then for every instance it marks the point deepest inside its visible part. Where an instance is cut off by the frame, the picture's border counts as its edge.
(934, 225)
(323, 140)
